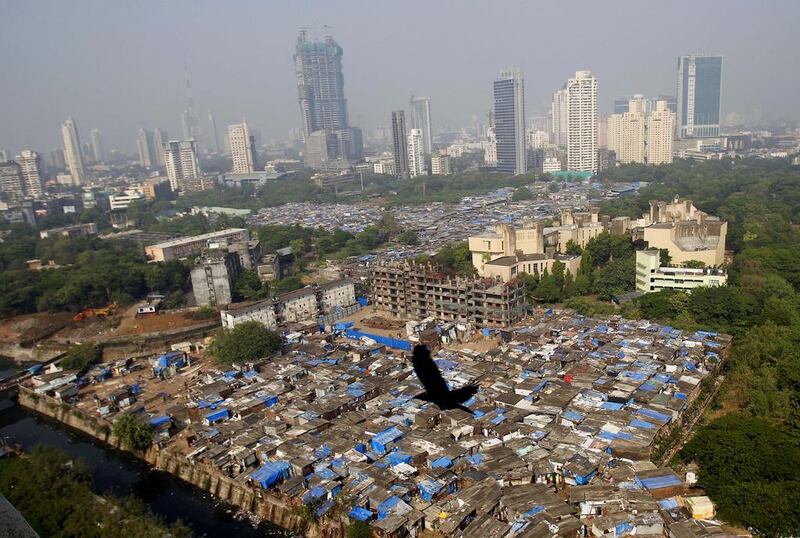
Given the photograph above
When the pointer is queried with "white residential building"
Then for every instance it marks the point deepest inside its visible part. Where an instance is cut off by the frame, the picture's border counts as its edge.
(416, 153)
(638, 136)
(537, 139)
(336, 295)
(180, 158)
(582, 122)
(440, 163)
(652, 276)
(243, 151)
(660, 134)
(490, 152)
(29, 164)
(72, 151)
(551, 164)
(262, 312)
(125, 199)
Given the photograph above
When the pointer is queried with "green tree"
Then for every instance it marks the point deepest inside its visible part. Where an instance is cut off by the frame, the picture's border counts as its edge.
(246, 342)
(408, 237)
(81, 356)
(751, 469)
(456, 258)
(572, 248)
(134, 433)
(616, 277)
(248, 286)
(359, 529)
(522, 193)
(693, 264)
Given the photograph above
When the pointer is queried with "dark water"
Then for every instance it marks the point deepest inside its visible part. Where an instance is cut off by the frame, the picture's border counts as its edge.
(121, 474)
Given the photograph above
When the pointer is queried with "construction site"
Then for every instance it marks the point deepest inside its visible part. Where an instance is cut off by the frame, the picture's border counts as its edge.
(418, 291)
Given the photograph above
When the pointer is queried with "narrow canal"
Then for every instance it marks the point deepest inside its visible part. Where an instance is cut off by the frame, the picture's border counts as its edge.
(120, 474)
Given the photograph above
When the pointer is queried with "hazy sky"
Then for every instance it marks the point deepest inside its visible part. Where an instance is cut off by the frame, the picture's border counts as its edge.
(118, 65)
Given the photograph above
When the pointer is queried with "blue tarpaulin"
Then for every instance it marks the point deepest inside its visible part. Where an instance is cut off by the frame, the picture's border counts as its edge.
(658, 482)
(386, 506)
(383, 438)
(385, 340)
(361, 514)
(363, 301)
(429, 488)
(219, 414)
(399, 457)
(636, 423)
(441, 463)
(476, 459)
(533, 511)
(270, 400)
(655, 415)
(316, 493)
(158, 421)
(270, 473)
(171, 358)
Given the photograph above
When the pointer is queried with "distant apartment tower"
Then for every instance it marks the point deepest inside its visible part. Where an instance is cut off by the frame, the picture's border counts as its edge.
(30, 167)
(183, 170)
(416, 153)
(621, 103)
(699, 95)
(148, 151)
(421, 119)
(159, 137)
(400, 144)
(243, 150)
(559, 118)
(627, 132)
(582, 122)
(11, 185)
(660, 134)
(213, 137)
(72, 151)
(98, 151)
(509, 122)
(637, 136)
(440, 163)
(320, 94)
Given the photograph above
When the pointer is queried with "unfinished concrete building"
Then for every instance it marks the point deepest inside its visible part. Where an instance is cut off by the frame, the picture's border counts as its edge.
(418, 291)
(214, 275)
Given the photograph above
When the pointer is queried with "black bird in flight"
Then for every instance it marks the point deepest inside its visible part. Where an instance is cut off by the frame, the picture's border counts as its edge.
(436, 390)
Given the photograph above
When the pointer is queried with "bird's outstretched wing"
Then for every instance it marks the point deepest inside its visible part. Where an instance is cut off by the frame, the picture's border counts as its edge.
(464, 393)
(428, 374)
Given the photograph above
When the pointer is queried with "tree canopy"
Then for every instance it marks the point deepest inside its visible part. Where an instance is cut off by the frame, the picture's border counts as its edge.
(248, 341)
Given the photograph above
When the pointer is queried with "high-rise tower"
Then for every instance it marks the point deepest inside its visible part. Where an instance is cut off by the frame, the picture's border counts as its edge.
(582, 122)
(72, 151)
(320, 94)
(509, 122)
(421, 119)
(243, 151)
(416, 153)
(400, 144)
(30, 166)
(98, 151)
(699, 95)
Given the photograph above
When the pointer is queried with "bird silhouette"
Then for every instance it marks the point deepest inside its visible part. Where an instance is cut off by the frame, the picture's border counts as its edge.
(436, 390)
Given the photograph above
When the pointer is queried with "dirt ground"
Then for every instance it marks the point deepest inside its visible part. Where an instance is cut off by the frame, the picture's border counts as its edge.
(30, 326)
(130, 324)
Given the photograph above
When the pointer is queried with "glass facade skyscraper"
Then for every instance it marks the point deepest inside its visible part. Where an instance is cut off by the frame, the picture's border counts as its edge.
(699, 95)
(509, 122)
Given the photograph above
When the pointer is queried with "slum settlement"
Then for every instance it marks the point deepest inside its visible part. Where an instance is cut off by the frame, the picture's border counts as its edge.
(571, 417)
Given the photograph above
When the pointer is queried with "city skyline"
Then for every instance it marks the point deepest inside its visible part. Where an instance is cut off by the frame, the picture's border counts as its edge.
(128, 100)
